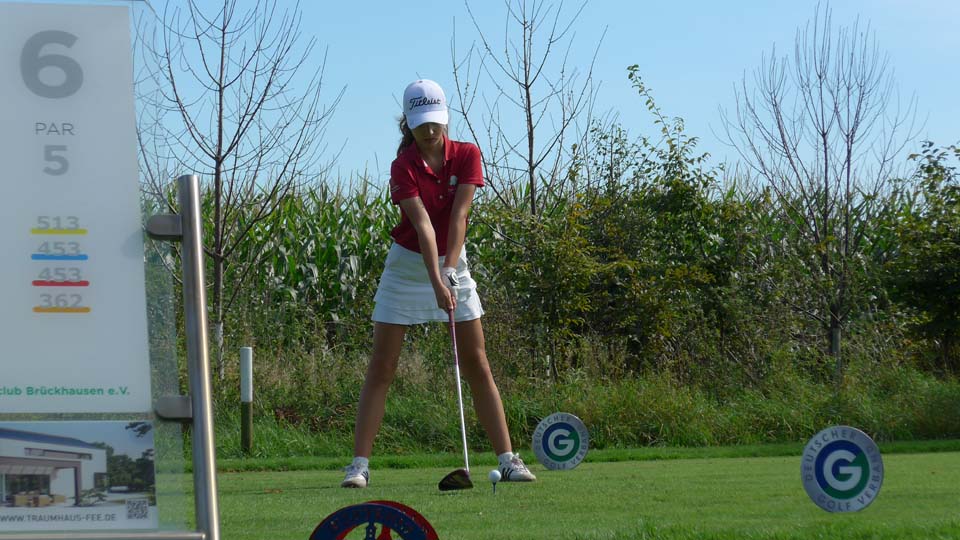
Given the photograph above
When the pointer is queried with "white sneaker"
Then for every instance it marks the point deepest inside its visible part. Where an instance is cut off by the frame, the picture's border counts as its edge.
(515, 471)
(356, 477)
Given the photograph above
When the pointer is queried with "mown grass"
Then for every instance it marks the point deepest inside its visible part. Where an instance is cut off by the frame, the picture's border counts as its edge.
(612, 455)
(714, 498)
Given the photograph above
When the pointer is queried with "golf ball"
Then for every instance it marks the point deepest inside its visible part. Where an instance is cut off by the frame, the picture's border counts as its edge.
(494, 476)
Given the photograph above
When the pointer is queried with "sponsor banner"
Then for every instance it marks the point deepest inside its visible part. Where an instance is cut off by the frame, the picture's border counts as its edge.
(73, 320)
(133, 514)
(59, 476)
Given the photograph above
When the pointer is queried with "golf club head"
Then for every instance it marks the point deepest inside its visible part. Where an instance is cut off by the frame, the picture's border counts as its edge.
(458, 479)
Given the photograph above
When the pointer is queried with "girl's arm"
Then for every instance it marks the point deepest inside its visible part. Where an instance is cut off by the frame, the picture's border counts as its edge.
(458, 223)
(420, 220)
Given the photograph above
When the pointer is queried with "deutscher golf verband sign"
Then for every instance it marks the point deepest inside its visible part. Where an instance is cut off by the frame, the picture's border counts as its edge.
(841, 469)
(73, 317)
(561, 441)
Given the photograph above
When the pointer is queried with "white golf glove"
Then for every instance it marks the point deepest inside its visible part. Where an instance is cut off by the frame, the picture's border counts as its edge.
(448, 276)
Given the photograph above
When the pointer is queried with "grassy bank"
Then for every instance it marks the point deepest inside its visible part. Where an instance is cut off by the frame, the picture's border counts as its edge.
(315, 419)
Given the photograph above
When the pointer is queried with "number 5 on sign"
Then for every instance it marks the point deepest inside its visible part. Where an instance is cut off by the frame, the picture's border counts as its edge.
(54, 154)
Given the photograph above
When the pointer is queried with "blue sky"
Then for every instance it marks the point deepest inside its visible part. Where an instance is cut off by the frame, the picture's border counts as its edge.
(690, 53)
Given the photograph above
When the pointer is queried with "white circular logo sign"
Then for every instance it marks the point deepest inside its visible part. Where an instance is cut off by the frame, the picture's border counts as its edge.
(841, 469)
(560, 441)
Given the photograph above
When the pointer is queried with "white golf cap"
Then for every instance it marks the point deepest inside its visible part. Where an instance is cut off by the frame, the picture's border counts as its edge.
(423, 101)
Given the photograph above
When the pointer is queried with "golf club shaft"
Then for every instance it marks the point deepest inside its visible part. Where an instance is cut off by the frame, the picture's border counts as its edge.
(456, 369)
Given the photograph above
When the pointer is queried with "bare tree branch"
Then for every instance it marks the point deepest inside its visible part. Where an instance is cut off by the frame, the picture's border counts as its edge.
(240, 116)
(823, 131)
(528, 78)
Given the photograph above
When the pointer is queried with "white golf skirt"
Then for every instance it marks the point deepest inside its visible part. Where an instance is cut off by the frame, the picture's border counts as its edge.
(405, 295)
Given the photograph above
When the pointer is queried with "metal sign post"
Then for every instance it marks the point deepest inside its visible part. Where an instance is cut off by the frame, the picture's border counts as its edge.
(188, 228)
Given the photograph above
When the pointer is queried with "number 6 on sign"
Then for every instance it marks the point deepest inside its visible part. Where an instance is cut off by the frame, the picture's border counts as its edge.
(31, 63)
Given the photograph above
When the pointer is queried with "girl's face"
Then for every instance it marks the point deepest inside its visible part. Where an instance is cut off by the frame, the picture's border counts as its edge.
(429, 136)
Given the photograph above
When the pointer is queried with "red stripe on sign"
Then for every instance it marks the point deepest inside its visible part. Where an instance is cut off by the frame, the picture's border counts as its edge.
(38, 283)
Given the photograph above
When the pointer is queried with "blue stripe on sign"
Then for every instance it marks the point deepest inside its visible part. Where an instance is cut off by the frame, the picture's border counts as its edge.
(42, 257)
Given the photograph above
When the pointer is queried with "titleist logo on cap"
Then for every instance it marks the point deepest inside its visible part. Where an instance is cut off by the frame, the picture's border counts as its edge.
(424, 101)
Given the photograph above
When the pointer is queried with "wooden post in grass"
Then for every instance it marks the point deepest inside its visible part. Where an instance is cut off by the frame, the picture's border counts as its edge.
(246, 399)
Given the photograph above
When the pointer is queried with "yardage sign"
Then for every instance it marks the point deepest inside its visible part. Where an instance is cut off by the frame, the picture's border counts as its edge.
(73, 312)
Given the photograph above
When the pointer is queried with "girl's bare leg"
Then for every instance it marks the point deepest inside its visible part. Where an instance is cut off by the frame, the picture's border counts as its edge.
(387, 343)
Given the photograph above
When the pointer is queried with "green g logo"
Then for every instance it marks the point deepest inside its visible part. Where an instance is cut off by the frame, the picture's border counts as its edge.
(842, 469)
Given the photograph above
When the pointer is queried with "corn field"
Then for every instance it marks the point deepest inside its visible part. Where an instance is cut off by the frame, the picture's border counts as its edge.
(671, 273)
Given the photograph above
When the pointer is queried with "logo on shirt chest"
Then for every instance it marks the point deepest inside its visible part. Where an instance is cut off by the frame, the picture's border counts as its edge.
(452, 187)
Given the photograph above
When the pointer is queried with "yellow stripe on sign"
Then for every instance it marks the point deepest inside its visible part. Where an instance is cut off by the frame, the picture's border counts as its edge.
(39, 309)
(58, 231)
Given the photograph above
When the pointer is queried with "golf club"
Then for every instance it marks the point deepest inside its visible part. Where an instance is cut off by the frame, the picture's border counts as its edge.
(460, 478)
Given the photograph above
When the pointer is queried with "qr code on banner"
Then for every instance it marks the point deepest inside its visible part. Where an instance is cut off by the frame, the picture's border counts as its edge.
(137, 508)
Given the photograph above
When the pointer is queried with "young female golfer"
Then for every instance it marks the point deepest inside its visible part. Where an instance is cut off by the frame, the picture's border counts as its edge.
(425, 275)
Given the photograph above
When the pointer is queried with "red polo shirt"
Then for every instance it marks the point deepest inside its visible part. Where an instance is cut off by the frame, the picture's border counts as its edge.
(411, 177)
